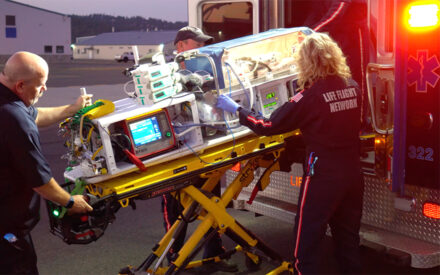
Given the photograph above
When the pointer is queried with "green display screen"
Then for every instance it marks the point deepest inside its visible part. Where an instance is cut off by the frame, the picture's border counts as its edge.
(270, 104)
(270, 95)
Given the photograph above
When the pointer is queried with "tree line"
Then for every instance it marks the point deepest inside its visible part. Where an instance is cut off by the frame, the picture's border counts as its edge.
(95, 24)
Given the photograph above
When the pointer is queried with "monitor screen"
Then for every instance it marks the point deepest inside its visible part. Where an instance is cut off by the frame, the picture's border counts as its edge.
(145, 131)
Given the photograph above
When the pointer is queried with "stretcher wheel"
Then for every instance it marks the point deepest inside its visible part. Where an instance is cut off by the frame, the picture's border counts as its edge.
(251, 264)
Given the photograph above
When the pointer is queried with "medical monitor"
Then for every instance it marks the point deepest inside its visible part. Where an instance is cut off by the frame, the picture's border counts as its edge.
(150, 133)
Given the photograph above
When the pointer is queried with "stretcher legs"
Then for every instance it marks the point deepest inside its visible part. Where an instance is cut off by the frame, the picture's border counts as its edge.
(211, 211)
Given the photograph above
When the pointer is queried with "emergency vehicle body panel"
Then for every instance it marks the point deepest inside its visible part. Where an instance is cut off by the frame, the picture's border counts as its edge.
(402, 171)
(417, 79)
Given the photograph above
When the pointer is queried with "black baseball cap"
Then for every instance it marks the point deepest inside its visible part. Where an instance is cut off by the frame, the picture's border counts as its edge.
(193, 33)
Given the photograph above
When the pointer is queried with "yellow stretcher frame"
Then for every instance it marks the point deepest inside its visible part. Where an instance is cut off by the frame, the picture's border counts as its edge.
(251, 151)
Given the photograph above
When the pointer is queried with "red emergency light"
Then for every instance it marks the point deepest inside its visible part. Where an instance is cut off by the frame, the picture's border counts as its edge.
(422, 15)
(431, 210)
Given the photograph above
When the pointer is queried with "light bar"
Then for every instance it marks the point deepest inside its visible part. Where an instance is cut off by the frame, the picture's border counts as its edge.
(422, 15)
(431, 210)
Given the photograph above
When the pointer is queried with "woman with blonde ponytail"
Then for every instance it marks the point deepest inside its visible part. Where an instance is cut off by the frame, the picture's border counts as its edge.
(326, 109)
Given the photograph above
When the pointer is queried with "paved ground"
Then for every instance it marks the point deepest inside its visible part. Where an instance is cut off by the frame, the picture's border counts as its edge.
(87, 72)
(130, 238)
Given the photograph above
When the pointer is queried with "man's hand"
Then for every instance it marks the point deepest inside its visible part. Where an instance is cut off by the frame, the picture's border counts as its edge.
(80, 205)
(226, 103)
(49, 115)
(82, 101)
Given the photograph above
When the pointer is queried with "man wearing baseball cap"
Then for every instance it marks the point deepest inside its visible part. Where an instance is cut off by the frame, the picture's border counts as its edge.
(189, 38)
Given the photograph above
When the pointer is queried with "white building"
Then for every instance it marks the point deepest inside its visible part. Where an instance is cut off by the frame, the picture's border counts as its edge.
(27, 28)
(106, 46)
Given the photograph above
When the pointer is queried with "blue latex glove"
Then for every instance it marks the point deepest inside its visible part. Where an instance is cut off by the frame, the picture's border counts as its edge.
(226, 103)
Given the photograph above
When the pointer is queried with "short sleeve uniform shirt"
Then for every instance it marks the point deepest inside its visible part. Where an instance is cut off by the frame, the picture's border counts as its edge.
(22, 164)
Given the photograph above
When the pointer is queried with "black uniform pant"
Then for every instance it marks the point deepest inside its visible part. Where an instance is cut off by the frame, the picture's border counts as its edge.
(172, 209)
(19, 257)
(331, 196)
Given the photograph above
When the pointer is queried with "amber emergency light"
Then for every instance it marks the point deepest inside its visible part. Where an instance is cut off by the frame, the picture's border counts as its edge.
(431, 210)
(422, 15)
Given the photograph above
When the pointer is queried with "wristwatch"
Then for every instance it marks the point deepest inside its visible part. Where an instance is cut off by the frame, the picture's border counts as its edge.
(70, 203)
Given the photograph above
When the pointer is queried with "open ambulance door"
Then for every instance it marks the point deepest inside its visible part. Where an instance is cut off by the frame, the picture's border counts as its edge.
(224, 20)
(228, 19)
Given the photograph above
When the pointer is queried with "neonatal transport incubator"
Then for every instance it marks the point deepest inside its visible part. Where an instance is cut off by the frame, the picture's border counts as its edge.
(172, 110)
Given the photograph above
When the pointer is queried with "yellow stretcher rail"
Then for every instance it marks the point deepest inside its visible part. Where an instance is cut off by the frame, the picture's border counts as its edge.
(170, 176)
(251, 151)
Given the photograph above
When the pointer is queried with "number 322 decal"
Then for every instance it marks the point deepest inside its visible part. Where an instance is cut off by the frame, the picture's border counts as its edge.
(420, 153)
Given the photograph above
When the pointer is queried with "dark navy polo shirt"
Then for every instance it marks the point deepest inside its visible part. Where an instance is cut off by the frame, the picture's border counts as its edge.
(22, 164)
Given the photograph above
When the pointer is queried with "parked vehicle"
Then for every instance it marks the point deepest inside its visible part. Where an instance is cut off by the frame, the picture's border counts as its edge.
(126, 56)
